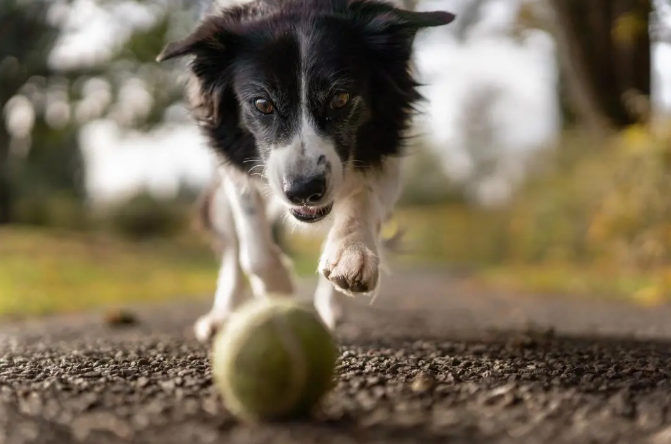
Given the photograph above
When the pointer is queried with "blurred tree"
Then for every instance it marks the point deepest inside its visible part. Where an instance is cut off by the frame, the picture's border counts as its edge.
(534, 14)
(26, 39)
(605, 46)
(45, 104)
(604, 52)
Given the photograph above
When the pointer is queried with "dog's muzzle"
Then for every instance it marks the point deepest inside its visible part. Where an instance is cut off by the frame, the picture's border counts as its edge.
(307, 193)
(305, 190)
(311, 214)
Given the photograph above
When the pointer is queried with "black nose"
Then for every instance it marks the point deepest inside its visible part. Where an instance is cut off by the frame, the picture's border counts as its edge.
(305, 191)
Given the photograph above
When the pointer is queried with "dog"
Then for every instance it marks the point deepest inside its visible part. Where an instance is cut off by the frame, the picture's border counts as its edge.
(307, 104)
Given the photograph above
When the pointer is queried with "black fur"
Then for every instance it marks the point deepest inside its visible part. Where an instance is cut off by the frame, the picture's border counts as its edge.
(253, 51)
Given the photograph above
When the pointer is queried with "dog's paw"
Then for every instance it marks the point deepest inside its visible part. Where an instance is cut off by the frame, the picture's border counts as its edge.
(351, 266)
(208, 325)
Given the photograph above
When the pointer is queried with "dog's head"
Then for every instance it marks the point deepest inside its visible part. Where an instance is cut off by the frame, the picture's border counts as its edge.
(305, 90)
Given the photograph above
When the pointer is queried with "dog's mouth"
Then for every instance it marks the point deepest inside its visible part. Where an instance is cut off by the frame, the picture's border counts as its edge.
(311, 214)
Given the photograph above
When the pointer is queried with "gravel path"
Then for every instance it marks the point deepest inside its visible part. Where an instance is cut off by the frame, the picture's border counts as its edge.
(432, 362)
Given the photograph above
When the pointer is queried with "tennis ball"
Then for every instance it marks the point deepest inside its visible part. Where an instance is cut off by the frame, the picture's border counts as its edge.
(274, 359)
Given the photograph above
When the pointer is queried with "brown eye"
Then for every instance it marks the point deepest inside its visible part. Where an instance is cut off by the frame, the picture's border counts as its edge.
(264, 106)
(339, 101)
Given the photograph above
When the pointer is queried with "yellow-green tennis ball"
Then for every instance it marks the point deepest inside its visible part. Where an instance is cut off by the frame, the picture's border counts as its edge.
(274, 359)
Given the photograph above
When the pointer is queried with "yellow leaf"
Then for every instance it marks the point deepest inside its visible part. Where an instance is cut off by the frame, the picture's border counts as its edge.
(649, 296)
(627, 28)
(635, 138)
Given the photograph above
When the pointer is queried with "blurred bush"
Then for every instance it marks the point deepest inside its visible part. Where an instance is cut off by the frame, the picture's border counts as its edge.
(52, 210)
(549, 219)
(141, 216)
(425, 183)
(595, 215)
(633, 218)
(599, 200)
(592, 217)
(144, 216)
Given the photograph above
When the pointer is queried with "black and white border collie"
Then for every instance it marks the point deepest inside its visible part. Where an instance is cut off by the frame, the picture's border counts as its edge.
(306, 103)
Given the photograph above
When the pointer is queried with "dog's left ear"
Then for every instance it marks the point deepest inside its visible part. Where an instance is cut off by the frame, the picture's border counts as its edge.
(429, 19)
(380, 16)
(390, 31)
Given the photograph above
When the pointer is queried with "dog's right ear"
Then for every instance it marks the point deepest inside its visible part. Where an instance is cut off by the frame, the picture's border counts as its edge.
(387, 28)
(208, 37)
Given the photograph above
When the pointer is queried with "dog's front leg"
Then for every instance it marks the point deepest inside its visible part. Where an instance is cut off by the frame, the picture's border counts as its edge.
(241, 225)
(327, 304)
(351, 256)
(267, 268)
(231, 281)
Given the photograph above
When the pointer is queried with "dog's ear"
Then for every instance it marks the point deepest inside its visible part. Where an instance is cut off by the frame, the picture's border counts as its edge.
(209, 37)
(390, 31)
(429, 19)
(385, 16)
(177, 49)
(211, 45)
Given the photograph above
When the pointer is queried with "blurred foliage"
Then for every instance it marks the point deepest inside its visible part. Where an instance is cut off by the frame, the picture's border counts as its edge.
(633, 219)
(26, 38)
(52, 210)
(629, 26)
(144, 216)
(600, 201)
(595, 218)
(56, 100)
(425, 183)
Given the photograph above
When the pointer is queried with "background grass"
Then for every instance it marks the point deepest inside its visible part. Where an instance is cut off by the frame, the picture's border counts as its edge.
(45, 271)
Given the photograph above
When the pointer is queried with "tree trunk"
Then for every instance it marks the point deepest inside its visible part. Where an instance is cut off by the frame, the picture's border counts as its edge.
(5, 181)
(605, 47)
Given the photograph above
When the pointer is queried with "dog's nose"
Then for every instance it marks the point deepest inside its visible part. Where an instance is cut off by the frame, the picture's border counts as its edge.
(305, 191)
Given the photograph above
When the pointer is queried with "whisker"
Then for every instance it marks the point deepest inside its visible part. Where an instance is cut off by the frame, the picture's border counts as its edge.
(285, 220)
(266, 192)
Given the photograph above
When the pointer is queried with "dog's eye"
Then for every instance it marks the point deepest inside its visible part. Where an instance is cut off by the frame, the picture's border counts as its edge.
(264, 106)
(339, 101)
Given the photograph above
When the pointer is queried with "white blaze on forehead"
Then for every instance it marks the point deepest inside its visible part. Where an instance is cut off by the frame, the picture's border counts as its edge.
(300, 158)
(313, 145)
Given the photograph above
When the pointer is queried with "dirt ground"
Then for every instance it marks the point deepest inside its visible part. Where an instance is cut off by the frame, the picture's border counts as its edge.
(433, 361)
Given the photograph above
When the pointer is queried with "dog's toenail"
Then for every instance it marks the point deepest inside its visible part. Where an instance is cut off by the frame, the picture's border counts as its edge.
(341, 281)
